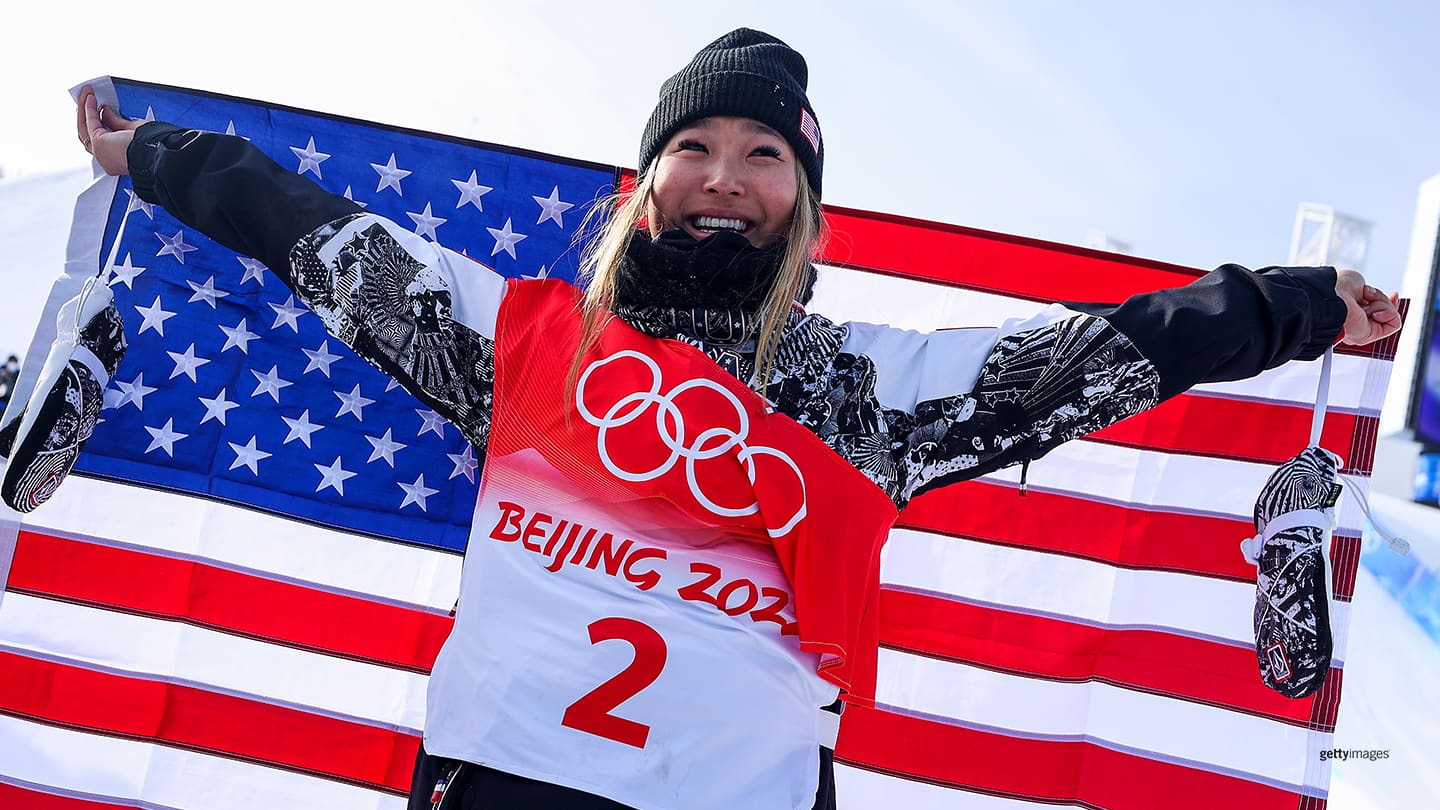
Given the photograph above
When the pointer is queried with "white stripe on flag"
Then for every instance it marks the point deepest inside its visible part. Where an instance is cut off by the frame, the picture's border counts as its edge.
(247, 539)
(1124, 719)
(148, 775)
(1076, 589)
(181, 653)
(861, 789)
(1151, 479)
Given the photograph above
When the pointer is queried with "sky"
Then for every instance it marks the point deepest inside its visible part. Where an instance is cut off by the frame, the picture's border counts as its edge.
(1190, 131)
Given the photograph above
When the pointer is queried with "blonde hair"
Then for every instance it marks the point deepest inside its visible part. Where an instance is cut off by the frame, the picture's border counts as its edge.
(602, 257)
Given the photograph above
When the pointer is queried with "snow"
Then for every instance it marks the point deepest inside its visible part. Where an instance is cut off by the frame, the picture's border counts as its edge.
(1391, 703)
(34, 224)
(1391, 698)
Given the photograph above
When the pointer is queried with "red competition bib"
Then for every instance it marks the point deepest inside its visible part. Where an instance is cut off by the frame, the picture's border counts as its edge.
(665, 581)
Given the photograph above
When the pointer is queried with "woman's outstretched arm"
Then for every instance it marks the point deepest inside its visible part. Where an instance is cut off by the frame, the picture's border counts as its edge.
(917, 411)
(420, 313)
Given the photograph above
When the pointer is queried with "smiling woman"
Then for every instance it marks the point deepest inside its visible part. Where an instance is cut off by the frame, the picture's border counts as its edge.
(665, 609)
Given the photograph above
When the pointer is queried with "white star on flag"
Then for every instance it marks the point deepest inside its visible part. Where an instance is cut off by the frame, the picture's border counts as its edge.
(132, 392)
(253, 269)
(350, 195)
(300, 428)
(186, 363)
(217, 408)
(333, 476)
(175, 246)
(505, 239)
(287, 314)
(137, 204)
(248, 455)
(164, 438)
(237, 336)
(353, 402)
(320, 359)
(384, 448)
(434, 422)
(551, 207)
(269, 383)
(426, 222)
(471, 192)
(125, 273)
(153, 317)
(310, 159)
(416, 493)
(206, 292)
(390, 176)
(464, 464)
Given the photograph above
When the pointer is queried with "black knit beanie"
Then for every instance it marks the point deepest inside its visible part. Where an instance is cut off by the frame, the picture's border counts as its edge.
(746, 73)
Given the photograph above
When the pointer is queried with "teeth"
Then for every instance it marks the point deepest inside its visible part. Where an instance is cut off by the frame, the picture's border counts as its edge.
(718, 224)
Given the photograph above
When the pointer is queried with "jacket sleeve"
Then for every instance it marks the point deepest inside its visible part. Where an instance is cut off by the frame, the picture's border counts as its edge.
(1231, 323)
(420, 313)
(953, 405)
(230, 191)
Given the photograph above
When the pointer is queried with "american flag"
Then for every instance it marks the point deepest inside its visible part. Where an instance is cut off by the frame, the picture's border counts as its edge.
(236, 598)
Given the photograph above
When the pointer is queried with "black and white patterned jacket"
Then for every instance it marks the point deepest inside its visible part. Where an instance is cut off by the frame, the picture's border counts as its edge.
(911, 411)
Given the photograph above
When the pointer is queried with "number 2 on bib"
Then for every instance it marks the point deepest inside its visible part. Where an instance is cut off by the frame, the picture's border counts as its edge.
(591, 713)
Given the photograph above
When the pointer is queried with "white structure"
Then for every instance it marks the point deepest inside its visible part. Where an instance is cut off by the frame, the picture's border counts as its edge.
(1324, 236)
(1397, 450)
(1415, 285)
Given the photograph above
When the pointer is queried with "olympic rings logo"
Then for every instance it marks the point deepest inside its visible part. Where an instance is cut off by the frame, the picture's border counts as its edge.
(670, 427)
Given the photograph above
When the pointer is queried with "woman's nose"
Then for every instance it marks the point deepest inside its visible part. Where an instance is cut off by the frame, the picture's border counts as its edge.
(725, 179)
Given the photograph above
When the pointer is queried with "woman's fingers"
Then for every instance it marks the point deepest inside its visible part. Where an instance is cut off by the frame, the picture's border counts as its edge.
(93, 128)
(111, 117)
(80, 131)
(93, 122)
(1371, 313)
(104, 132)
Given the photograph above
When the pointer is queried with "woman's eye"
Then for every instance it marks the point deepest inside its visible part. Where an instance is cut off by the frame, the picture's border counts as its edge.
(687, 145)
(767, 151)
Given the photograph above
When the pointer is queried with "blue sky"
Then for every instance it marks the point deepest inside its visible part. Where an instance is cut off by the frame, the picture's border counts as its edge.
(1191, 131)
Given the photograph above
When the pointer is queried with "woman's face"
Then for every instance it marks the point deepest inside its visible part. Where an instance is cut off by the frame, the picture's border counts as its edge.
(725, 173)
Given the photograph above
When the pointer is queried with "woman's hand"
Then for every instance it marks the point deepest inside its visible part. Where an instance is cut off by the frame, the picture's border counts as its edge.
(1371, 314)
(104, 132)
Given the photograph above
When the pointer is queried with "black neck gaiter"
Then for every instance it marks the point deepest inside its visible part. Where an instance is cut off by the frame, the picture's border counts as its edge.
(675, 271)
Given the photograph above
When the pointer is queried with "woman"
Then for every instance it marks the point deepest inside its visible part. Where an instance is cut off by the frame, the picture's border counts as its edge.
(661, 604)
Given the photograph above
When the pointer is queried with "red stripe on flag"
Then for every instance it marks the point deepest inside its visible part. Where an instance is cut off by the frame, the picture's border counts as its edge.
(1115, 534)
(1207, 672)
(232, 602)
(1127, 536)
(1039, 770)
(969, 257)
(1344, 566)
(14, 797)
(1261, 432)
(195, 719)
